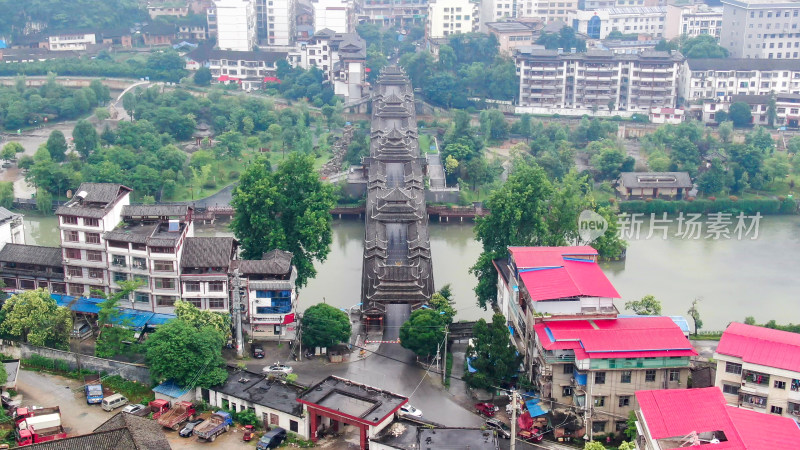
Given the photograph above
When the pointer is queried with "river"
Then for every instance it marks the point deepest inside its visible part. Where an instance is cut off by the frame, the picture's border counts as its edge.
(734, 278)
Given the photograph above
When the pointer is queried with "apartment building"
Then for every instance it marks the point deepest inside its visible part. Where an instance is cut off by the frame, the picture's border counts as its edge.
(204, 271)
(766, 29)
(12, 228)
(560, 310)
(276, 21)
(547, 10)
(96, 208)
(495, 11)
(758, 369)
(642, 20)
(168, 8)
(787, 109)
(596, 81)
(336, 15)
(448, 17)
(248, 69)
(670, 419)
(269, 286)
(25, 267)
(235, 24)
(589, 5)
(693, 20)
(342, 59)
(512, 35)
(720, 79)
(393, 12)
(77, 40)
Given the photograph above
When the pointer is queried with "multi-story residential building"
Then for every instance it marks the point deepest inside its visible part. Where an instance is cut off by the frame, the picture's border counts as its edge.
(670, 419)
(26, 267)
(787, 109)
(766, 29)
(596, 81)
(147, 246)
(235, 22)
(158, 33)
(77, 40)
(248, 69)
(448, 17)
(642, 20)
(276, 21)
(589, 5)
(511, 35)
(204, 271)
(269, 286)
(336, 15)
(757, 369)
(720, 79)
(495, 11)
(170, 8)
(12, 228)
(342, 59)
(692, 21)
(95, 209)
(195, 32)
(621, 47)
(393, 12)
(546, 10)
(211, 21)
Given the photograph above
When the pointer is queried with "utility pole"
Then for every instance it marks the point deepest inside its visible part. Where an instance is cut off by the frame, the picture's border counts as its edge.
(513, 420)
(237, 310)
(444, 372)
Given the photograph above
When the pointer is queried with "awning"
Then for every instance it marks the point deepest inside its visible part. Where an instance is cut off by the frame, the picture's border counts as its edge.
(128, 317)
(287, 319)
(272, 80)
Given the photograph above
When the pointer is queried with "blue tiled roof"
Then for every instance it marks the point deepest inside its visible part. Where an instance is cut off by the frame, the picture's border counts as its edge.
(129, 317)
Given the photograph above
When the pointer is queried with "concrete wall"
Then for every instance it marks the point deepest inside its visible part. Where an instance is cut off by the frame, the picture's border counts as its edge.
(134, 372)
(447, 195)
(73, 82)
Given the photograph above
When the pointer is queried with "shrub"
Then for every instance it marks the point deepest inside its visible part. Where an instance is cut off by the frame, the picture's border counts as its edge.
(233, 175)
(733, 198)
(209, 184)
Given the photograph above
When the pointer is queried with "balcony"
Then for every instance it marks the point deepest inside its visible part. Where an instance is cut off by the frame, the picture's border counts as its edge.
(640, 363)
(551, 357)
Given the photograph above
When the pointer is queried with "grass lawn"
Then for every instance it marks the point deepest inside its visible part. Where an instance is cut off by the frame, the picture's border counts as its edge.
(425, 142)
(193, 189)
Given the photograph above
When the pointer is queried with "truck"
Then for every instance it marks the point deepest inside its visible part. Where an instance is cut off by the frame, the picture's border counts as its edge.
(20, 414)
(218, 423)
(93, 389)
(181, 412)
(158, 407)
(34, 429)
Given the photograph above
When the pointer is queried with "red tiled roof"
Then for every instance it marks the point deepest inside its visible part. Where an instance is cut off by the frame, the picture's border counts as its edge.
(550, 273)
(675, 413)
(630, 337)
(762, 346)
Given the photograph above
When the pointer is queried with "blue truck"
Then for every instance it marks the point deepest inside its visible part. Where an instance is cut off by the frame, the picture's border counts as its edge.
(218, 423)
(93, 389)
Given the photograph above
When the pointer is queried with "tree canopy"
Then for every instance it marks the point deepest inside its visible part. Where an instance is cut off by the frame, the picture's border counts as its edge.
(288, 209)
(702, 46)
(565, 39)
(423, 332)
(494, 358)
(739, 113)
(324, 326)
(191, 356)
(34, 317)
(201, 318)
(647, 306)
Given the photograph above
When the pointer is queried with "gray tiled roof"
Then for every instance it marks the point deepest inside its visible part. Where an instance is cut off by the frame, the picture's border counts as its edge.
(147, 434)
(666, 179)
(31, 254)
(155, 210)
(743, 64)
(123, 431)
(207, 252)
(255, 388)
(6, 214)
(275, 262)
(99, 196)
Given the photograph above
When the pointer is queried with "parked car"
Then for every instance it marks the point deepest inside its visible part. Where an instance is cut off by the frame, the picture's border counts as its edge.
(113, 402)
(130, 409)
(188, 430)
(81, 330)
(278, 369)
(486, 409)
(257, 350)
(502, 429)
(408, 410)
(272, 439)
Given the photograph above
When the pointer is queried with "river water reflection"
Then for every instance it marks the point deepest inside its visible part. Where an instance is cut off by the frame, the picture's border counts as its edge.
(734, 278)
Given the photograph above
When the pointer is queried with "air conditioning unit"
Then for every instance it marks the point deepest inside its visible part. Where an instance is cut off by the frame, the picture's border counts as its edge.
(66, 260)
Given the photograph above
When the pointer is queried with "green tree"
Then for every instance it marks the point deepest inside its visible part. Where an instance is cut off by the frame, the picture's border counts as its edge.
(495, 359)
(739, 113)
(202, 77)
(565, 39)
(714, 180)
(323, 325)
(725, 131)
(423, 332)
(626, 445)
(16, 147)
(772, 111)
(694, 313)
(703, 46)
(610, 162)
(85, 137)
(129, 103)
(749, 320)
(443, 305)
(190, 356)
(115, 341)
(44, 202)
(609, 245)
(230, 144)
(34, 317)
(109, 313)
(593, 445)
(647, 306)
(198, 318)
(6, 194)
(8, 153)
(288, 209)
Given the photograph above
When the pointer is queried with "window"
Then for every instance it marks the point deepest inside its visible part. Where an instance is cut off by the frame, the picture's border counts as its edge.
(163, 266)
(216, 286)
(27, 284)
(90, 222)
(139, 263)
(95, 273)
(119, 276)
(196, 302)
(165, 283)
(674, 375)
(776, 410)
(76, 289)
(754, 400)
(140, 247)
(165, 300)
(293, 426)
(141, 297)
(118, 244)
(94, 256)
(625, 376)
(74, 272)
(145, 280)
(600, 378)
(92, 238)
(192, 286)
(733, 368)
(624, 400)
(73, 253)
(216, 303)
(599, 427)
(599, 401)
(649, 376)
(779, 384)
(566, 391)
(568, 369)
(71, 236)
(69, 220)
(118, 260)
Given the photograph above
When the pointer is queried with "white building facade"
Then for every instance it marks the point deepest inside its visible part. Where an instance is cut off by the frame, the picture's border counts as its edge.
(720, 79)
(647, 20)
(448, 17)
(765, 29)
(336, 15)
(693, 20)
(71, 41)
(276, 21)
(235, 22)
(12, 228)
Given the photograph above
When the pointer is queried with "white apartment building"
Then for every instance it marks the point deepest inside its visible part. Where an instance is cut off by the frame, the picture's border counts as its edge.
(235, 22)
(276, 21)
(336, 15)
(596, 82)
(396, 12)
(693, 20)
(766, 29)
(95, 209)
(757, 369)
(12, 228)
(647, 20)
(495, 11)
(719, 79)
(589, 5)
(248, 69)
(204, 272)
(71, 41)
(448, 17)
(787, 109)
(342, 59)
(547, 10)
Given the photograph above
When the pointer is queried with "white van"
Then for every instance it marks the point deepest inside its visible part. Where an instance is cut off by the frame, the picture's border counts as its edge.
(113, 402)
(81, 330)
